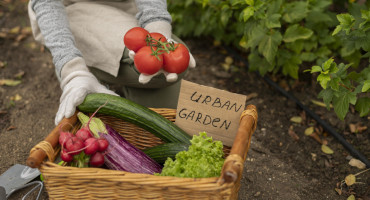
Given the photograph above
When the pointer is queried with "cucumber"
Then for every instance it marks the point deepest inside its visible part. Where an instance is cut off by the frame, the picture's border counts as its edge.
(161, 152)
(134, 113)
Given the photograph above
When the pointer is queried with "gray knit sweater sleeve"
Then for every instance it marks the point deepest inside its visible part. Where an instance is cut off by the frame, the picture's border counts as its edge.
(52, 20)
(150, 11)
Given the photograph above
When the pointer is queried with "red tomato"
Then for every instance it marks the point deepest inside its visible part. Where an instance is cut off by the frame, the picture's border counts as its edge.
(176, 61)
(158, 37)
(147, 63)
(134, 39)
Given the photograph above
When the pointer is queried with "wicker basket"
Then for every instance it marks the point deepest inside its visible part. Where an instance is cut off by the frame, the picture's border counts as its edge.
(63, 182)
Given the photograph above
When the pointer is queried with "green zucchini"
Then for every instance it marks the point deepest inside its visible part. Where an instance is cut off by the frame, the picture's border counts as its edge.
(136, 114)
(161, 152)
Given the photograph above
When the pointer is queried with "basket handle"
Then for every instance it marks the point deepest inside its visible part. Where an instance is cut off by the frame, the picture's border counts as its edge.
(38, 154)
(234, 163)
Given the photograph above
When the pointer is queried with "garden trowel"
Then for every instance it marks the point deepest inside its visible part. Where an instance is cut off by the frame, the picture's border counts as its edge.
(17, 177)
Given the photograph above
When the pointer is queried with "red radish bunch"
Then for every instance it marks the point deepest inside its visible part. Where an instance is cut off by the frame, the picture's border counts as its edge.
(154, 52)
(83, 148)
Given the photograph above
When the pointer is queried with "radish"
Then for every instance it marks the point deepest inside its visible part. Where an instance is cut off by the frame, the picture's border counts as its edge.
(103, 144)
(97, 159)
(84, 133)
(63, 137)
(74, 145)
(65, 156)
(91, 146)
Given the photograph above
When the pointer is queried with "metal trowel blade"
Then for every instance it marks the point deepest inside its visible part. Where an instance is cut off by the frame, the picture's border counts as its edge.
(16, 176)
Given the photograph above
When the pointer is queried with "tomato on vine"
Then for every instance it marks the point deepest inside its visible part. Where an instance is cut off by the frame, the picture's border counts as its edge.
(153, 52)
(177, 59)
(155, 38)
(135, 38)
(148, 61)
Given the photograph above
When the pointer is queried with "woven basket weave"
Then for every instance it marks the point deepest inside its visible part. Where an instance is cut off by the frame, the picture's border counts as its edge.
(64, 182)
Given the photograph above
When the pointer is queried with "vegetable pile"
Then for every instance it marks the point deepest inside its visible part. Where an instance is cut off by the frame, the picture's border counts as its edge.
(153, 52)
(204, 158)
(97, 144)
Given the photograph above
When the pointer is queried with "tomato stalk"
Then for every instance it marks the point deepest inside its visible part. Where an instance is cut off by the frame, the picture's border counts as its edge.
(161, 47)
(155, 52)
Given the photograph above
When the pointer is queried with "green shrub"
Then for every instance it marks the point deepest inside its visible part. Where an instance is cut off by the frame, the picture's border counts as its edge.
(283, 36)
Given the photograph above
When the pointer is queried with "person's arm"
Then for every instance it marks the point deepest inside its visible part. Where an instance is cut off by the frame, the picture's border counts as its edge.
(53, 23)
(153, 16)
(76, 81)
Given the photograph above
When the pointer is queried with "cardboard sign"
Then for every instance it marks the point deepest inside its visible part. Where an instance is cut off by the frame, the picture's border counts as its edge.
(215, 111)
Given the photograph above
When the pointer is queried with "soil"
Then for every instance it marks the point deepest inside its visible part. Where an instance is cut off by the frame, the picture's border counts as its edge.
(282, 162)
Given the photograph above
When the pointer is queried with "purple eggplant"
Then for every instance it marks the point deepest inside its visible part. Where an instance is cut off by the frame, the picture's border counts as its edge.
(121, 155)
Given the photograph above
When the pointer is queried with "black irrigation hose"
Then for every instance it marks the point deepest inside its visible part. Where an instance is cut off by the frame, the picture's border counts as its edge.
(325, 125)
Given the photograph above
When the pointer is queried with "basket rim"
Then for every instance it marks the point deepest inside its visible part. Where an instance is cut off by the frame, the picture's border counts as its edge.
(50, 169)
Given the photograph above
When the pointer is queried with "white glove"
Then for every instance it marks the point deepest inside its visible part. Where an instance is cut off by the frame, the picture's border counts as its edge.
(76, 85)
(165, 29)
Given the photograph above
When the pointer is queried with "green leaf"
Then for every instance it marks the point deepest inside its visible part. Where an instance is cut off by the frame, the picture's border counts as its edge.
(367, 55)
(255, 34)
(323, 79)
(317, 17)
(354, 76)
(320, 5)
(311, 44)
(366, 86)
(316, 68)
(296, 46)
(273, 21)
(274, 7)
(363, 106)
(295, 11)
(347, 51)
(334, 83)
(256, 63)
(365, 14)
(365, 44)
(341, 104)
(243, 42)
(327, 65)
(308, 57)
(346, 22)
(269, 46)
(323, 52)
(327, 96)
(291, 66)
(236, 2)
(340, 71)
(336, 30)
(247, 13)
(96, 125)
(249, 2)
(296, 32)
(226, 14)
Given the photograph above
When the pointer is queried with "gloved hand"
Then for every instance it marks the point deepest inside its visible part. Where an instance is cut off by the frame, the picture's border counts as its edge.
(76, 85)
(165, 29)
